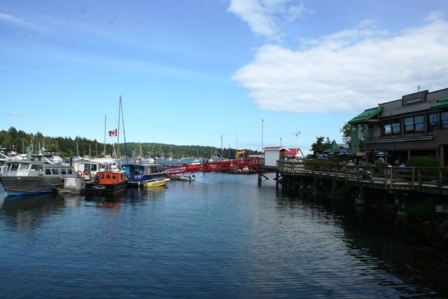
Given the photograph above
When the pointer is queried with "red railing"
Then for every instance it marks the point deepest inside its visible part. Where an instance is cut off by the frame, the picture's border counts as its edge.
(212, 166)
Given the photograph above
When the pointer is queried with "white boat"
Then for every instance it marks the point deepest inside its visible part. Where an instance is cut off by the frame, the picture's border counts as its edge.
(189, 178)
(20, 178)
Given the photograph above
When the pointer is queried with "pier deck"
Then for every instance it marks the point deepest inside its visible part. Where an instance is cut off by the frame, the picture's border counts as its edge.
(432, 180)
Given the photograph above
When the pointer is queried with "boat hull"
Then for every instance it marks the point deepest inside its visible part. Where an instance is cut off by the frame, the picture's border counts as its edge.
(105, 189)
(26, 185)
(155, 183)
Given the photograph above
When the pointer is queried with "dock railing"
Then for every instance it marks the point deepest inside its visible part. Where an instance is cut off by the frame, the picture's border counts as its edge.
(414, 177)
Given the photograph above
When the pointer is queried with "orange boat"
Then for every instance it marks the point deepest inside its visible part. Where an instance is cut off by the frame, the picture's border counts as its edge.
(108, 182)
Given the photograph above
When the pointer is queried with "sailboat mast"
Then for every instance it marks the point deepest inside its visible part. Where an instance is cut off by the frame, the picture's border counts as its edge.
(105, 124)
(118, 129)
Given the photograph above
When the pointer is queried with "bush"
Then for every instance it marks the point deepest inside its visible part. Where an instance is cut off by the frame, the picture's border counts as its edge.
(418, 161)
(425, 162)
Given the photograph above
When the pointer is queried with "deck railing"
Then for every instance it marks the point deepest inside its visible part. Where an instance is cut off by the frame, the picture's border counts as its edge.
(414, 177)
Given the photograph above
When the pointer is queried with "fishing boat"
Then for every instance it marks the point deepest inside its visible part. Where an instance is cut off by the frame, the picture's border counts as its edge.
(107, 182)
(88, 168)
(160, 182)
(30, 177)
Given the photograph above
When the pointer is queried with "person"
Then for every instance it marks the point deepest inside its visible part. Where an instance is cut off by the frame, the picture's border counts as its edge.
(397, 162)
(350, 163)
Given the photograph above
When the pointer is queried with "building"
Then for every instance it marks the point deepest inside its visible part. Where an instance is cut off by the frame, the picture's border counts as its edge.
(274, 153)
(294, 153)
(415, 125)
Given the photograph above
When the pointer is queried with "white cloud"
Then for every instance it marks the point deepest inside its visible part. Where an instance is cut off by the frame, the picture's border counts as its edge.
(19, 22)
(15, 113)
(348, 71)
(263, 16)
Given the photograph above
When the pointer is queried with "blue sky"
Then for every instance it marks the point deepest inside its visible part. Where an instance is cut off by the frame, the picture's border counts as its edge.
(191, 71)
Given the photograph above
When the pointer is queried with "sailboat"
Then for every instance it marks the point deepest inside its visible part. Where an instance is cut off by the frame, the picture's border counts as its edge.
(138, 171)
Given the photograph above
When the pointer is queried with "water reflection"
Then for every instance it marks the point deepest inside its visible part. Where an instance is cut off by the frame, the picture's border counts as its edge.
(107, 202)
(27, 213)
(377, 240)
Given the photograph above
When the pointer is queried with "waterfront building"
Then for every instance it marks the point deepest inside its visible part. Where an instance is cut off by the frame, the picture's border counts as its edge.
(274, 153)
(415, 125)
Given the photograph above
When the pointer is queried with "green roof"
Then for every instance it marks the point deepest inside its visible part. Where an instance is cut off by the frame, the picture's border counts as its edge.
(440, 104)
(334, 148)
(365, 116)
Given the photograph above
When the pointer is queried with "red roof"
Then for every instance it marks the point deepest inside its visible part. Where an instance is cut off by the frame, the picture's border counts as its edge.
(293, 151)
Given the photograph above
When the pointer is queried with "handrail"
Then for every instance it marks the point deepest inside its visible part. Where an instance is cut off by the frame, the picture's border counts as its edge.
(417, 177)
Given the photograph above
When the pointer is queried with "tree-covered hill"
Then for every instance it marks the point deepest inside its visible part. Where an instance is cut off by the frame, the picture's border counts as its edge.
(18, 140)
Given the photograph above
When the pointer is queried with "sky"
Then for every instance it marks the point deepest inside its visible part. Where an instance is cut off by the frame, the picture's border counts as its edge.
(223, 73)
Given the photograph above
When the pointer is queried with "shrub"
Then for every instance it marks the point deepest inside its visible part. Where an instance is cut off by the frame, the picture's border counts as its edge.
(422, 161)
(425, 162)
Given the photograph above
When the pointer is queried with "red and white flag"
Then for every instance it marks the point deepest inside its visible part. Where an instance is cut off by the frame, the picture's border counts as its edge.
(113, 132)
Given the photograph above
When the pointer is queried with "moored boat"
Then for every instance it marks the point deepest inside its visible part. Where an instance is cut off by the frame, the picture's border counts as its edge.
(139, 173)
(189, 178)
(159, 182)
(107, 182)
(21, 178)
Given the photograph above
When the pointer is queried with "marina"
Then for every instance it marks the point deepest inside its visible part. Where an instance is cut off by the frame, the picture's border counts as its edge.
(222, 236)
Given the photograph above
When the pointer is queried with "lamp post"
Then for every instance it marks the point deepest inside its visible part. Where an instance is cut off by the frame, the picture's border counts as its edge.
(281, 141)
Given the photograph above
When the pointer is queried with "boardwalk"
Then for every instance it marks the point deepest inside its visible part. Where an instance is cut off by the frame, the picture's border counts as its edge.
(432, 180)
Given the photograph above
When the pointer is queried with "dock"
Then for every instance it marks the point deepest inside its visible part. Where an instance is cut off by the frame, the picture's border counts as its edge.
(428, 180)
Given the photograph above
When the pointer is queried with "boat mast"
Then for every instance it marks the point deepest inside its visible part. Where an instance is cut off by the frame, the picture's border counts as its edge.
(118, 129)
(124, 131)
(105, 123)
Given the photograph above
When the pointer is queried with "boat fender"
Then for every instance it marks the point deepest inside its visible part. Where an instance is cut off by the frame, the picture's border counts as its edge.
(86, 171)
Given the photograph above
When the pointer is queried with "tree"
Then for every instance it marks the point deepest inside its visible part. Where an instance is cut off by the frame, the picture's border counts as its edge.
(320, 145)
(347, 134)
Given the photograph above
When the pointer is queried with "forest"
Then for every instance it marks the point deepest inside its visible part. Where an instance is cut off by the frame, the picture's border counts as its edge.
(18, 140)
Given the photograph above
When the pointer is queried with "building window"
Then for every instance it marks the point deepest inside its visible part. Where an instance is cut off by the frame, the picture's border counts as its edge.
(392, 129)
(387, 129)
(438, 121)
(414, 124)
(444, 118)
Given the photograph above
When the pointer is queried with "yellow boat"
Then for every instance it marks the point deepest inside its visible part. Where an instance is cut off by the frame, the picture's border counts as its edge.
(155, 183)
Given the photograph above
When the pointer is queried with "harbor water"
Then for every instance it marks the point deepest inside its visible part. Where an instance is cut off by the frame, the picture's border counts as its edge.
(221, 236)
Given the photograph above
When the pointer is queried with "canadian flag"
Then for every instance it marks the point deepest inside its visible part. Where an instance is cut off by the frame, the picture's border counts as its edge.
(113, 132)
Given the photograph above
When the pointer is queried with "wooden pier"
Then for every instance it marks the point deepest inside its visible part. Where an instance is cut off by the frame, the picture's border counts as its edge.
(430, 180)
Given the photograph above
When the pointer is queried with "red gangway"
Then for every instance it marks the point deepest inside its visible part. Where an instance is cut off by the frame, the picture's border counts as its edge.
(223, 165)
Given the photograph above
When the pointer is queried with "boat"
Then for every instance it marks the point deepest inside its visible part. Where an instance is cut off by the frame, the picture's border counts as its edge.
(88, 168)
(139, 172)
(30, 177)
(160, 182)
(107, 182)
(244, 170)
(189, 178)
